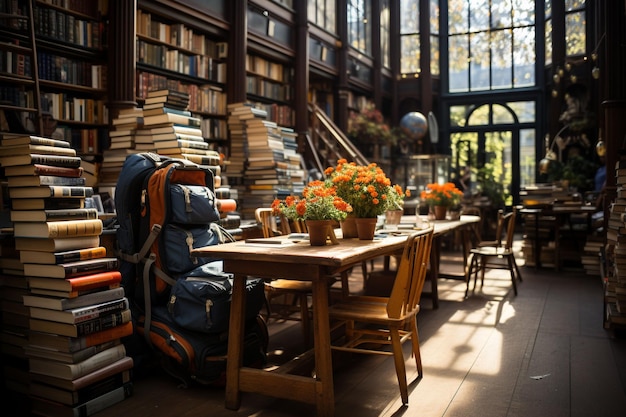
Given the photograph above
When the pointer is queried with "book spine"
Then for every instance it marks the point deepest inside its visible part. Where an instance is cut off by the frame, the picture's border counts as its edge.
(97, 312)
(80, 255)
(61, 181)
(81, 268)
(70, 192)
(91, 407)
(74, 228)
(104, 322)
(117, 332)
(58, 171)
(71, 214)
(56, 160)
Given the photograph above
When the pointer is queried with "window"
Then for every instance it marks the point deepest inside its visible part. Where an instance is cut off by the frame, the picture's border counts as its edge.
(491, 44)
(385, 34)
(324, 14)
(434, 37)
(359, 33)
(575, 27)
(409, 37)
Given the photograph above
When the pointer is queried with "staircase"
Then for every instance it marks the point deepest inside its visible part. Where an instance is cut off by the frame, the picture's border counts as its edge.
(326, 143)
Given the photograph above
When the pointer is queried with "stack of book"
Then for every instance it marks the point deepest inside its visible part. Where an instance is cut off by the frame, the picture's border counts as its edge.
(123, 128)
(77, 311)
(615, 280)
(14, 334)
(238, 113)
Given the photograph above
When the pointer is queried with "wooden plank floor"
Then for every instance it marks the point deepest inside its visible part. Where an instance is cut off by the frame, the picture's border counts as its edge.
(541, 353)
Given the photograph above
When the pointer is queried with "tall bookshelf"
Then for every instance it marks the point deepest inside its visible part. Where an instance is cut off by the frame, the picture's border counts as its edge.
(71, 40)
(179, 56)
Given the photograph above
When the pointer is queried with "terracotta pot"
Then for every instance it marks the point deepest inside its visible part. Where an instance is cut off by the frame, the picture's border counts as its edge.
(440, 212)
(366, 227)
(348, 228)
(320, 231)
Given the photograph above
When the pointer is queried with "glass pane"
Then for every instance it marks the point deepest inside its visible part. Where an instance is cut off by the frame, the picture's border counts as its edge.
(502, 115)
(384, 33)
(523, 13)
(528, 157)
(480, 61)
(524, 57)
(479, 15)
(458, 65)
(574, 5)
(464, 147)
(501, 65)
(330, 22)
(410, 60)
(434, 17)
(548, 8)
(457, 17)
(409, 17)
(524, 110)
(575, 29)
(458, 115)
(548, 38)
(479, 116)
(434, 55)
(499, 157)
(501, 14)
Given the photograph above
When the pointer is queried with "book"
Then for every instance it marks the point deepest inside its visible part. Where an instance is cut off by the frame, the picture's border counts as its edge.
(82, 283)
(75, 397)
(47, 203)
(161, 109)
(73, 344)
(71, 269)
(53, 215)
(81, 314)
(171, 118)
(56, 244)
(103, 322)
(55, 191)
(84, 300)
(76, 370)
(35, 140)
(64, 228)
(52, 258)
(117, 367)
(47, 408)
(39, 169)
(176, 129)
(17, 150)
(41, 159)
(46, 352)
(34, 180)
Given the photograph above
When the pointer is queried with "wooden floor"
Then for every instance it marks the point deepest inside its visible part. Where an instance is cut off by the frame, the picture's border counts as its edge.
(543, 352)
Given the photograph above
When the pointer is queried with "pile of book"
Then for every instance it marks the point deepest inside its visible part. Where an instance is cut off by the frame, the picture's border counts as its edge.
(615, 279)
(78, 312)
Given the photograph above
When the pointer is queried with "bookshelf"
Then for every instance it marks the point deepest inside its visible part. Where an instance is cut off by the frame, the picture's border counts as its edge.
(72, 69)
(178, 56)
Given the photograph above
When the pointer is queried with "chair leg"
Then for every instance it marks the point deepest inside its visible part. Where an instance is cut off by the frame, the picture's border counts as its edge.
(511, 262)
(398, 358)
(415, 340)
(469, 268)
(305, 321)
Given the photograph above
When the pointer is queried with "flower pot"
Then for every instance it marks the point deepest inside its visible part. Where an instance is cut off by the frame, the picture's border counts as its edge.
(348, 228)
(440, 212)
(366, 227)
(320, 231)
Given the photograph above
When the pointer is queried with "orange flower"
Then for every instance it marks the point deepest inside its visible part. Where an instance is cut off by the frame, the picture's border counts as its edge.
(441, 195)
(318, 202)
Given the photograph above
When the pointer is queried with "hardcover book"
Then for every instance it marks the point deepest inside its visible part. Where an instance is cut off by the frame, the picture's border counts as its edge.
(70, 285)
(17, 150)
(35, 140)
(39, 180)
(106, 321)
(124, 364)
(67, 228)
(83, 300)
(39, 169)
(45, 352)
(76, 370)
(53, 215)
(81, 314)
(75, 397)
(47, 203)
(42, 159)
(73, 344)
(72, 269)
(53, 258)
(56, 244)
(55, 191)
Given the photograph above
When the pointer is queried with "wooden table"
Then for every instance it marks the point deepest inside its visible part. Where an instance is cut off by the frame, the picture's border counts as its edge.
(300, 261)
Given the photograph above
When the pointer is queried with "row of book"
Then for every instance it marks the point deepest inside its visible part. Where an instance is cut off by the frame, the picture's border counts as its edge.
(615, 277)
(74, 309)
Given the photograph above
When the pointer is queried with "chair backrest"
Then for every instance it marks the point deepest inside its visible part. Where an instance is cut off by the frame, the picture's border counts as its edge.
(508, 223)
(271, 224)
(411, 274)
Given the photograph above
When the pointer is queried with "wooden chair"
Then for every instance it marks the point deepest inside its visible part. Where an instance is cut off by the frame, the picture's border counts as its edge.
(372, 323)
(495, 254)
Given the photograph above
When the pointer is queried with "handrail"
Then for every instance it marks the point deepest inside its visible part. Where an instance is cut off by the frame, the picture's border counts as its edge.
(326, 143)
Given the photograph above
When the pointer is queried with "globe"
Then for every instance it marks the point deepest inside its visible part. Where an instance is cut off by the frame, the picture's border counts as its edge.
(414, 125)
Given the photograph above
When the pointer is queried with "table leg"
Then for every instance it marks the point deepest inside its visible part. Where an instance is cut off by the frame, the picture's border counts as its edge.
(325, 401)
(435, 253)
(235, 343)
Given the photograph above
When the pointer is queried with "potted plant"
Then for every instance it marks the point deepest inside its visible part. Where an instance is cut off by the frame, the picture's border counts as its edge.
(319, 206)
(395, 204)
(441, 197)
(368, 129)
